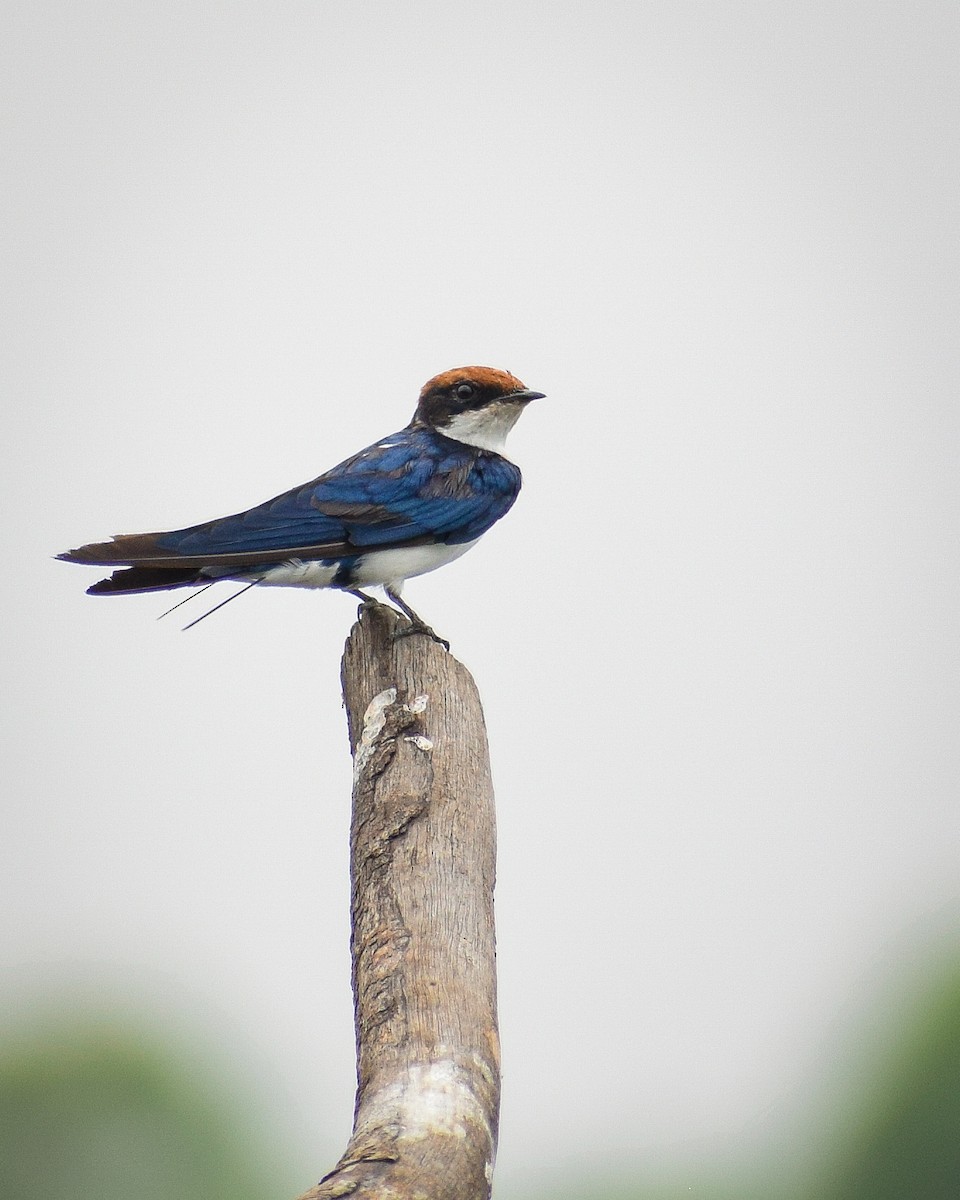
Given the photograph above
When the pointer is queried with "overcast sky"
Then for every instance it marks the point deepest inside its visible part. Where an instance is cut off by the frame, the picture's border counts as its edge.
(717, 635)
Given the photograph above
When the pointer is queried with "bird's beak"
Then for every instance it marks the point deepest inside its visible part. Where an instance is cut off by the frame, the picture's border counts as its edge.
(526, 396)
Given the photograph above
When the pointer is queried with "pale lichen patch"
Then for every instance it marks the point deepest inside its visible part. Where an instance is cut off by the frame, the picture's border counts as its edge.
(428, 1099)
(374, 719)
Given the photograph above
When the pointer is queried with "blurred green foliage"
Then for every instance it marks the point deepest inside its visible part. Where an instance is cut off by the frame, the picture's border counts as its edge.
(892, 1133)
(96, 1111)
(902, 1139)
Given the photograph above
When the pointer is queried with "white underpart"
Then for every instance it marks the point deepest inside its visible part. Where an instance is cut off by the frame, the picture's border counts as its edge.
(485, 428)
(374, 568)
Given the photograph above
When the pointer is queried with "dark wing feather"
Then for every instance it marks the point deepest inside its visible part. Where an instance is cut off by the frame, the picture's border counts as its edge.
(412, 487)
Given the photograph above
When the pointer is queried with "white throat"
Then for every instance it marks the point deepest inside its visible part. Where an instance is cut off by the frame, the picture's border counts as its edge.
(486, 428)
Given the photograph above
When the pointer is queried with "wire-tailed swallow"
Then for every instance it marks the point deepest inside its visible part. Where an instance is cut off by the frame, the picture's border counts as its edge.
(408, 504)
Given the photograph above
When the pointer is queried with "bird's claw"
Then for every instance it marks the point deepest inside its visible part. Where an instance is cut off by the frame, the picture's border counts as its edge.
(420, 627)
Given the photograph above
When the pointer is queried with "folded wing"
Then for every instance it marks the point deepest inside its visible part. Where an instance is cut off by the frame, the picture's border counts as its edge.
(412, 487)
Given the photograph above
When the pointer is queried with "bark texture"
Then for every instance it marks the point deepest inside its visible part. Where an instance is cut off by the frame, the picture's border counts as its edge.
(423, 857)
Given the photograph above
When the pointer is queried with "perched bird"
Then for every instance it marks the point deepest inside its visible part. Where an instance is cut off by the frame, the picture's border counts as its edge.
(408, 504)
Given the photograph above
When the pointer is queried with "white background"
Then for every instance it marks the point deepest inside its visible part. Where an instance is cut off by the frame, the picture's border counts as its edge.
(716, 637)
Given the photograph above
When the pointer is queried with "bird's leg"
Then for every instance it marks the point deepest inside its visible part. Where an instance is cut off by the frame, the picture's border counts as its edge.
(361, 595)
(417, 624)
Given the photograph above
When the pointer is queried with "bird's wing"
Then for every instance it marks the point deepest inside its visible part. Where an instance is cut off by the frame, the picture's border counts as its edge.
(414, 486)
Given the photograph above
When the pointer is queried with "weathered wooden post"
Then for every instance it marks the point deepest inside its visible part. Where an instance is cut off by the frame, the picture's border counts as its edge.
(423, 861)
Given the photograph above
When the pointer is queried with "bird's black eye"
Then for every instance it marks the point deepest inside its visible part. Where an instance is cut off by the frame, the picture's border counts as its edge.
(466, 391)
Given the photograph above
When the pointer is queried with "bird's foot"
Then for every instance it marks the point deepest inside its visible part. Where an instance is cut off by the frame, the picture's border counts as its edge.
(419, 626)
(364, 599)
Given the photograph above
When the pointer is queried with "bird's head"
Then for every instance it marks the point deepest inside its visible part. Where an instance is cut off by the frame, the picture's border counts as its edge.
(476, 405)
